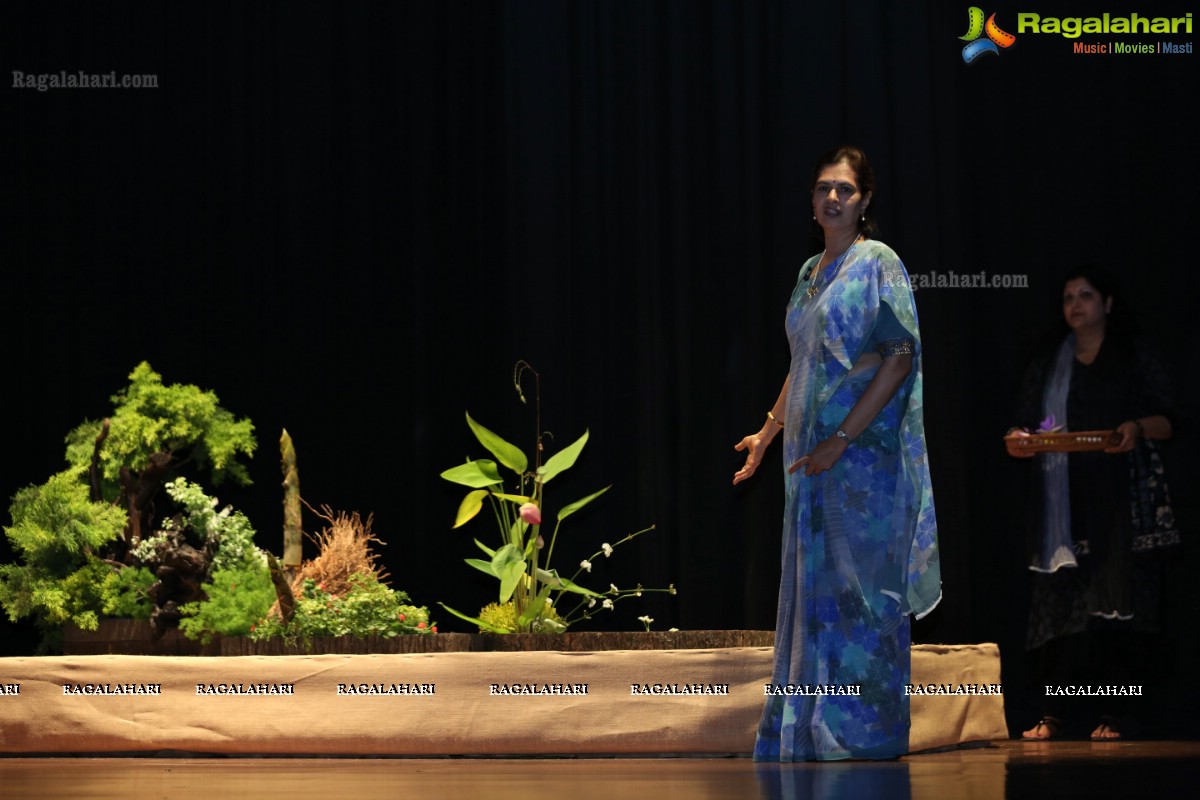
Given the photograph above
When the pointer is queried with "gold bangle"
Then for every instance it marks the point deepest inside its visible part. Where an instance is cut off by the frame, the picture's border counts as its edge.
(771, 417)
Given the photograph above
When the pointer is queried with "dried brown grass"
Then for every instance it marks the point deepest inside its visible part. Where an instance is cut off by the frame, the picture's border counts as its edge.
(345, 549)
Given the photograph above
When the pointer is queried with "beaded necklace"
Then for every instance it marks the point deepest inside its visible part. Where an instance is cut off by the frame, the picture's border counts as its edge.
(812, 286)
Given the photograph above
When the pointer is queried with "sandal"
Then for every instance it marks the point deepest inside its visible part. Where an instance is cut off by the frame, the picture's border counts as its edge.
(1047, 728)
(1107, 731)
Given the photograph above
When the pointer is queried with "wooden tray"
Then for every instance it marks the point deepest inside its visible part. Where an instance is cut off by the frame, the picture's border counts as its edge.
(1071, 442)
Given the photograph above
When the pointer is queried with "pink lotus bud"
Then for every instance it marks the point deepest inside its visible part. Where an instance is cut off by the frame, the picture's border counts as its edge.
(531, 514)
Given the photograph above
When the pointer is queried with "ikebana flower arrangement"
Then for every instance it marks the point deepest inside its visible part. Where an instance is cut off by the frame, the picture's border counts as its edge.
(533, 596)
(124, 531)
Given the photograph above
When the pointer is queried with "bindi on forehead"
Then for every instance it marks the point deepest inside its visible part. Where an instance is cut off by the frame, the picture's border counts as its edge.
(840, 175)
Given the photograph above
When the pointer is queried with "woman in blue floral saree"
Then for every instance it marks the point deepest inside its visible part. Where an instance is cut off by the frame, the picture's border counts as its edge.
(860, 534)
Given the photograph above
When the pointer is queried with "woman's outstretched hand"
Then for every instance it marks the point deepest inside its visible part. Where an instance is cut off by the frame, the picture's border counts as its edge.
(754, 445)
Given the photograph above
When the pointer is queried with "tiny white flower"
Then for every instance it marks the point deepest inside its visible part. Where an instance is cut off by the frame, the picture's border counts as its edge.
(673, 589)
(673, 630)
(646, 620)
(638, 593)
(607, 548)
(608, 604)
(586, 565)
(592, 603)
(612, 587)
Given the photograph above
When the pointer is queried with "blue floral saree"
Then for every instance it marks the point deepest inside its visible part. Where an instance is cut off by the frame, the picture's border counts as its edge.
(859, 540)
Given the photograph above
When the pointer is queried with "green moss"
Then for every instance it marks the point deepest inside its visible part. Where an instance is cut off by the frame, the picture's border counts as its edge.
(369, 608)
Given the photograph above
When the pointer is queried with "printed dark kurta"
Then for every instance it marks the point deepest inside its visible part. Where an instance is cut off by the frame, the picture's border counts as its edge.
(1119, 513)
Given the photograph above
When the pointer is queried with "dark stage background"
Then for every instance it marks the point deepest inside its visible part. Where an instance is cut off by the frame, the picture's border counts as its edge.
(352, 222)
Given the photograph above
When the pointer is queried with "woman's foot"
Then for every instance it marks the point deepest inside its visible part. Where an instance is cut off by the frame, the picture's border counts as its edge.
(1047, 728)
(1107, 731)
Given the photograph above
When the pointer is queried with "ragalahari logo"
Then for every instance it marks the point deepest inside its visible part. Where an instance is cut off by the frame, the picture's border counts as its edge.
(976, 27)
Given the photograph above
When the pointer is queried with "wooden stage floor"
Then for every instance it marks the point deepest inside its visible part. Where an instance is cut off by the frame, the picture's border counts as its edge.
(1010, 769)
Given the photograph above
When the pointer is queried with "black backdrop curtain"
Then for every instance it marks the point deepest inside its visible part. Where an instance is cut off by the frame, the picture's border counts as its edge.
(352, 220)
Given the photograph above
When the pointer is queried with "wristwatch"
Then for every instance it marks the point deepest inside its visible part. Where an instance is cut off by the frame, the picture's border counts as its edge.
(841, 434)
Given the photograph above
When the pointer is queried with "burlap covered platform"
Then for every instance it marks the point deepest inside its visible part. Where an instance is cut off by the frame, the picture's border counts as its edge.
(460, 711)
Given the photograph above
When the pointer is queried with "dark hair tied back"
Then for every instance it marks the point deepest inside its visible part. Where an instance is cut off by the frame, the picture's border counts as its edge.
(857, 160)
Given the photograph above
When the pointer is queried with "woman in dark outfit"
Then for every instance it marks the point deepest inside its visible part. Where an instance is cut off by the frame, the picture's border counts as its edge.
(1098, 519)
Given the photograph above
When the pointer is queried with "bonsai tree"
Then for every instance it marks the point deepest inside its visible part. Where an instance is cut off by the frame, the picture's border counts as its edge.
(85, 523)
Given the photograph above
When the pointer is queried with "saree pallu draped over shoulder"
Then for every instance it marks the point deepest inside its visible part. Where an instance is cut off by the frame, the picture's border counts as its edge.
(859, 540)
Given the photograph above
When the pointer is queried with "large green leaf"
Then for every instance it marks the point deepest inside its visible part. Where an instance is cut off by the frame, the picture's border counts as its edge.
(482, 566)
(475, 474)
(519, 499)
(507, 454)
(487, 626)
(578, 504)
(563, 459)
(510, 576)
(470, 507)
(509, 566)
